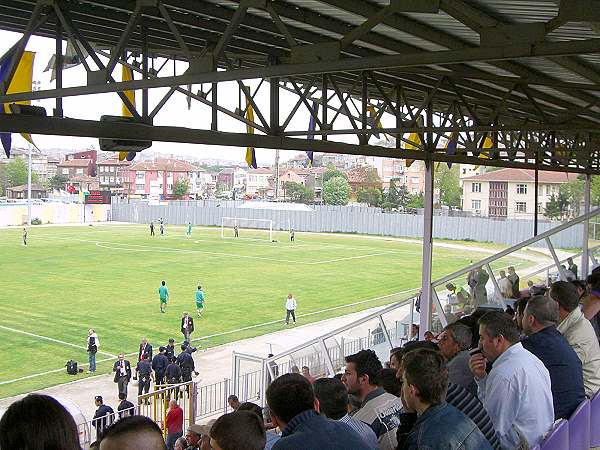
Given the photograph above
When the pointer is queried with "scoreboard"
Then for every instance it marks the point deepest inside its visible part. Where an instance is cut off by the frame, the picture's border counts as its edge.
(98, 198)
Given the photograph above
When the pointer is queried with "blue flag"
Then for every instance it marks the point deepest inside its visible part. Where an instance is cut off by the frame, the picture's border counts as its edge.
(4, 65)
(451, 147)
(312, 127)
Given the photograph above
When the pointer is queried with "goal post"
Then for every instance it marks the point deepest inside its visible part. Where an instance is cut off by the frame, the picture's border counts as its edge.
(247, 228)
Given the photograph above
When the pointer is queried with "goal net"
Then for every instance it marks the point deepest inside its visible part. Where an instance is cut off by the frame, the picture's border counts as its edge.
(247, 228)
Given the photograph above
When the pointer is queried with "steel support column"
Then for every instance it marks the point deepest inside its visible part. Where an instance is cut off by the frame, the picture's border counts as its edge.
(585, 258)
(425, 315)
(535, 204)
(58, 111)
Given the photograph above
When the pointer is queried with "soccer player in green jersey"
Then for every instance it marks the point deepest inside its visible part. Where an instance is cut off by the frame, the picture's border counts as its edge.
(189, 229)
(163, 293)
(199, 301)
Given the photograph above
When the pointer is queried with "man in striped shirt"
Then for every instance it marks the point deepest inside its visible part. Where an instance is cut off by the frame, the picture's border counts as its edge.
(332, 402)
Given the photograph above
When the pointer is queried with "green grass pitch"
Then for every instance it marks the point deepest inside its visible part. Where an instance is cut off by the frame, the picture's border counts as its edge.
(69, 279)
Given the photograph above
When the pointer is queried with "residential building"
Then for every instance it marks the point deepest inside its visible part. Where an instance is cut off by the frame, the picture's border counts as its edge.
(510, 193)
(362, 178)
(86, 154)
(257, 181)
(232, 178)
(82, 183)
(156, 178)
(39, 161)
(314, 181)
(111, 173)
(20, 192)
(412, 177)
(71, 168)
(299, 161)
(202, 184)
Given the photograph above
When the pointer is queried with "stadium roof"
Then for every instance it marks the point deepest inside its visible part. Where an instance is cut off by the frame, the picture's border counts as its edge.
(517, 79)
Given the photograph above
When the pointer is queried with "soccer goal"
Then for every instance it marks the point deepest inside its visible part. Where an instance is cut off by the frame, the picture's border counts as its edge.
(247, 228)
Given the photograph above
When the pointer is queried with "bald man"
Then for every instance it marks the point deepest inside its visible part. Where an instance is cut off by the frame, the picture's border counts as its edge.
(133, 433)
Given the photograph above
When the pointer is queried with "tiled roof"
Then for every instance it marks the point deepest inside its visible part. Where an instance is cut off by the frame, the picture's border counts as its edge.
(261, 170)
(113, 162)
(169, 165)
(524, 175)
(75, 163)
(23, 188)
(360, 174)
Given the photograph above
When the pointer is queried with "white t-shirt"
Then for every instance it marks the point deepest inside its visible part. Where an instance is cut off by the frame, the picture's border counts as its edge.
(290, 304)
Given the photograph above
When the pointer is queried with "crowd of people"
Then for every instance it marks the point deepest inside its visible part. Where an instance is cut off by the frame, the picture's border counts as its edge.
(489, 380)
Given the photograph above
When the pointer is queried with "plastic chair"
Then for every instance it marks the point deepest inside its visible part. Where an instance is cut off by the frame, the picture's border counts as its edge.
(595, 419)
(558, 438)
(579, 427)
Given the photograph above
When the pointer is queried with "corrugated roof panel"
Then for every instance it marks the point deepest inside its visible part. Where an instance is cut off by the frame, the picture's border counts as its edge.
(551, 69)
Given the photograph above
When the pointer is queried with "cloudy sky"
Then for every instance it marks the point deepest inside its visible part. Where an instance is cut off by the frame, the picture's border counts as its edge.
(174, 113)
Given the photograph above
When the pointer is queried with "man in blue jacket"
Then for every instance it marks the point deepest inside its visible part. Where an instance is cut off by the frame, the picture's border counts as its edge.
(292, 403)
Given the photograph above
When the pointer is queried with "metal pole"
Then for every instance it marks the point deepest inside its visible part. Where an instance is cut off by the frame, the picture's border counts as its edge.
(58, 112)
(425, 314)
(535, 204)
(585, 258)
(29, 188)
(276, 175)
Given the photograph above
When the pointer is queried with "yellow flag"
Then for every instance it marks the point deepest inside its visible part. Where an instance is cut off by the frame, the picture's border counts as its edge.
(21, 82)
(250, 154)
(126, 75)
(413, 137)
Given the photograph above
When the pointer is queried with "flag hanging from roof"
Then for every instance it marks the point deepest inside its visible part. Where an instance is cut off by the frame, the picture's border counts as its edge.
(487, 144)
(21, 82)
(311, 127)
(70, 59)
(374, 124)
(250, 154)
(127, 75)
(415, 142)
(451, 144)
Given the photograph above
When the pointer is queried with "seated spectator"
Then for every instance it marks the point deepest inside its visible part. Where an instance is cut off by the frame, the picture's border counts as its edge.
(579, 333)
(332, 402)
(428, 336)
(240, 430)
(395, 358)
(439, 425)
(545, 342)
(133, 433)
(464, 401)
(306, 374)
(38, 422)
(193, 436)
(591, 302)
(270, 435)
(388, 381)
(454, 343)
(233, 402)
(180, 444)
(379, 409)
(517, 392)
(292, 402)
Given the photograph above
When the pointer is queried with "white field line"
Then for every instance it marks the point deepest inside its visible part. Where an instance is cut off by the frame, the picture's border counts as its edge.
(46, 338)
(347, 258)
(224, 333)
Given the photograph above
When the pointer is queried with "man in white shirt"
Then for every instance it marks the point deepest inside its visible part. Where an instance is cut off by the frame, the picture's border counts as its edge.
(505, 285)
(290, 307)
(516, 393)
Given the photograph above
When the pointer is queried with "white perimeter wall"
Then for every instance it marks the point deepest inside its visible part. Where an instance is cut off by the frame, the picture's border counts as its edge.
(16, 213)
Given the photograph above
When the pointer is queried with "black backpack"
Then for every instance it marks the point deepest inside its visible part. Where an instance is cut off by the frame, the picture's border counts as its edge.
(71, 367)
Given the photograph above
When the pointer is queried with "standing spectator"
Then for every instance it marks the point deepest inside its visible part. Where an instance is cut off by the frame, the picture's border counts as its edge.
(103, 416)
(439, 425)
(292, 402)
(145, 350)
(199, 301)
(186, 362)
(122, 370)
(173, 375)
(93, 344)
(579, 333)
(187, 326)
(133, 433)
(159, 366)
(472, 282)
(233, 402)
(379, 409)
(274, 368)
(145, 374)
(566, 274)
(482, 278)
(163, 294)
(514, 279)
(170, 349)
(545, 342)
(38, 422)
(238, 430)
(505, 285)
(306, 374)
(151, 228)
(454, 343)
(174, 424)
(572, 267)
(332, 402)
(290, 308)
(125, 408)
(517, 392)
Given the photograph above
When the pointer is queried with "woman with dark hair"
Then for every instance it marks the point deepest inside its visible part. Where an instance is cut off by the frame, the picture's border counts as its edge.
(38, 422)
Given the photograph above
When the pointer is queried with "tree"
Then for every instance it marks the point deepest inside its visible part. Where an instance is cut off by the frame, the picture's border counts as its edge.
(397, 195)
(16, 173)
(57, 182)
(371, 196)
(416, 201)
(332, 172)
(447, 183)
(181, 187)
(558, 206)
(595, 190)
(336, 191)
(573, 192)
(3, 180)
(298, 193)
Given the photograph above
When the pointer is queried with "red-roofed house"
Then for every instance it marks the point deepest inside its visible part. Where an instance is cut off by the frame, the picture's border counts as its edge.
(510, 193)
(156, 178)
(364, 177)
(76, 168)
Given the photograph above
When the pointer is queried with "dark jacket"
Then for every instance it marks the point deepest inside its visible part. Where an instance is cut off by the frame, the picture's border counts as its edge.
(160, 363)
(117, 371)
(170, 352)
(442, 427)
(308, 431)
(185, 361)
(103, 417)
(125, 409)
(190, 324)
(173, 373)
(564, 366)
(144, 368)
(147, 352)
